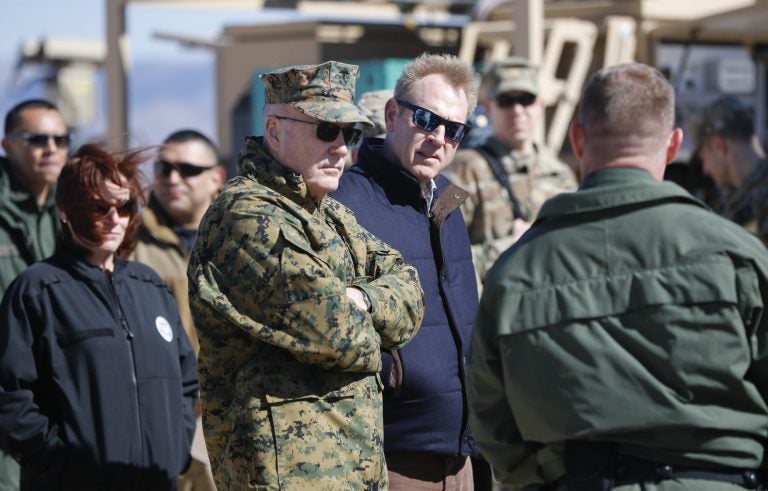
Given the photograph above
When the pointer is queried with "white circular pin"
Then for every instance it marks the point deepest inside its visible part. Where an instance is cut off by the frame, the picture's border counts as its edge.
(164, 328)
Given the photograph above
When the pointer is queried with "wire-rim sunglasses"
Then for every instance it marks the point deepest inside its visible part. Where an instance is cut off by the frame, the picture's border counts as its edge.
(429, 121)
(328, 132)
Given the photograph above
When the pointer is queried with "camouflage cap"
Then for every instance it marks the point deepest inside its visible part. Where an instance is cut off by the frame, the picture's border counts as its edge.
(514, 74)
(724, 116)
(372, 105)
(325, 91)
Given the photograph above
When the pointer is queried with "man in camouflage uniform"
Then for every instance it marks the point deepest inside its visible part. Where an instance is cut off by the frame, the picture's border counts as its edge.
(731, 155)
(509, 176)
(293, 302)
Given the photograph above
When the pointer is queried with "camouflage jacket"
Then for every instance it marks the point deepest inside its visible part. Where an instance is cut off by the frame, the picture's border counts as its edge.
(488, 212)
(289, 364)
(748, 205)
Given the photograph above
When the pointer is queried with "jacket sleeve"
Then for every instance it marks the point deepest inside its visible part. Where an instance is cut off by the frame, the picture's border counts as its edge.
(25, 432)
(490, 415)
(253, 269)
(397, 300)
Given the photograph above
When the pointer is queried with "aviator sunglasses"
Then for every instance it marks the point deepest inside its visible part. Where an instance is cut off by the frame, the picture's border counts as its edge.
(185, 169)
(40, 140)
(509, 100)
(328, 132)
(428, 121)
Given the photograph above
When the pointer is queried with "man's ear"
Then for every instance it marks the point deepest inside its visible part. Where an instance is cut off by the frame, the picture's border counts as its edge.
(390, 111)
(271, 133)
(673, 145)
(218, 174)
(576, 137)
(719, 144)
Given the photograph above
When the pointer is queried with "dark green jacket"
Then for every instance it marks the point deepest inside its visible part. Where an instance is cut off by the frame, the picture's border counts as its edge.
(28, 232)
(628, 313)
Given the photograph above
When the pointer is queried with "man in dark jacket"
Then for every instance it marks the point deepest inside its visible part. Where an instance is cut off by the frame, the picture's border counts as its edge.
(397, 193)
(36, 142)
(621, 342)
(187, 178)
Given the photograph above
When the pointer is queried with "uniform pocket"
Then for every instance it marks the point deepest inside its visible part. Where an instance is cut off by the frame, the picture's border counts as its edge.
(65, 339)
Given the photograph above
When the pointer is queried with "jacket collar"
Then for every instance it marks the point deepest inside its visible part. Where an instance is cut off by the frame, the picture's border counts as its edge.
(158, 224)
(383, 168)
(14, 195)
(612, 188)
(257, 163)
(79, 267)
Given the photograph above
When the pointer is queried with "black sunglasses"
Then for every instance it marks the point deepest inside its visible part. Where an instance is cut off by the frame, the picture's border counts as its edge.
(124, 209)
(509, 100)
(428, 121)
(40, 140)
(328, 132)
(185, 169)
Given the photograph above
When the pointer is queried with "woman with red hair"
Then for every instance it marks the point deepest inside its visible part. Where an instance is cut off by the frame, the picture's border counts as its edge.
(97, 378)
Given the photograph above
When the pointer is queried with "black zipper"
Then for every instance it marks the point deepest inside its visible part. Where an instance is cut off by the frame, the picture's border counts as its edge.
(132, 354)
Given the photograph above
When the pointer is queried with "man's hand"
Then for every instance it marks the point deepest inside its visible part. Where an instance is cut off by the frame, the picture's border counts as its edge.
(358, 297)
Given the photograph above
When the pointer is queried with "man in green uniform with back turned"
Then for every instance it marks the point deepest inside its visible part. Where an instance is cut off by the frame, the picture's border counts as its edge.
(293, 302)
(509, 176)
(622, 342)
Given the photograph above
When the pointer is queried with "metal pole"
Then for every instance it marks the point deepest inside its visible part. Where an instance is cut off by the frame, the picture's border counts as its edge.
(117, 108)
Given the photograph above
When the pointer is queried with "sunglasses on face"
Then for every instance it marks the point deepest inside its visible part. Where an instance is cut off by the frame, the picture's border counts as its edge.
(40, 140)
(124, 209)
(429, 121)
(328, 132)
(163, 168)
(509, 100)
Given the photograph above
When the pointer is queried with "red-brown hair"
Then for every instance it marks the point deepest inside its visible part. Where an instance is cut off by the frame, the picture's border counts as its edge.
(82, 193)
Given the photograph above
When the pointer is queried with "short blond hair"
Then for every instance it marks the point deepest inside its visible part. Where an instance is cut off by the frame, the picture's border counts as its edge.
(458, 74)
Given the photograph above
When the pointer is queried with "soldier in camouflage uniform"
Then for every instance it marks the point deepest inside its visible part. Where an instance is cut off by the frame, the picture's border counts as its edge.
(731, 155)
(293, 302)
(509, 176)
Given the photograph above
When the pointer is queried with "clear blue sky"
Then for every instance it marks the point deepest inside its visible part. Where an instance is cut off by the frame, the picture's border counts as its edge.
(154, 113)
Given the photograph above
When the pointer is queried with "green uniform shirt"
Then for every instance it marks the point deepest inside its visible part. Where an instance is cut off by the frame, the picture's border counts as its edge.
(28, 231)
(628, 313)
(533, 177)
(289, 364)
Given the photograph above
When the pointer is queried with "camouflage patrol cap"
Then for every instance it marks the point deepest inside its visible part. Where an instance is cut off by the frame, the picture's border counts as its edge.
(727, 116)
(325, 91)
(372, 105)
(514, 74)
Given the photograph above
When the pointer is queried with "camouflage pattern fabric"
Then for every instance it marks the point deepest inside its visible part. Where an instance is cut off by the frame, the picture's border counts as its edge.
(325, 92)
(288, 363)
(748, 205)
(534, 178)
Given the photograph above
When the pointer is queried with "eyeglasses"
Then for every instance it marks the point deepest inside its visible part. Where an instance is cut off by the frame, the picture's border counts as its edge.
(185, 169)
(124, 209)
(40, 140)
(328, 132)
(429, 121)
(509, 100)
